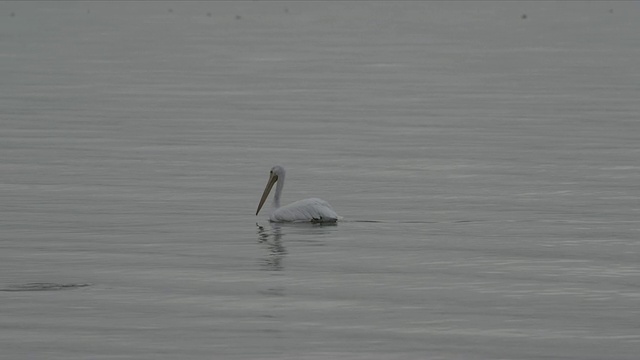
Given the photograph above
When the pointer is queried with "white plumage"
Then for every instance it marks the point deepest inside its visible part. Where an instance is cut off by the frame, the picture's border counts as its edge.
(307, 210)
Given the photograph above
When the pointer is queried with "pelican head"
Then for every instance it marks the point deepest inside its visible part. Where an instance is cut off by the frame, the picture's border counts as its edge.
(276, 173)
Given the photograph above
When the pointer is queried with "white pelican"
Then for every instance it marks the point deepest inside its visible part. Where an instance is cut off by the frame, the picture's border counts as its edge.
(308, 210)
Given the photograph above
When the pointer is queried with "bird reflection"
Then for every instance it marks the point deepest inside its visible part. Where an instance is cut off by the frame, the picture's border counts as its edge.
(272, 239)
(309, 234)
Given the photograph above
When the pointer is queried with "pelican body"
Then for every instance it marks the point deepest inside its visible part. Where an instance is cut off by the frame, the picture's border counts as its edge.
(308, 210)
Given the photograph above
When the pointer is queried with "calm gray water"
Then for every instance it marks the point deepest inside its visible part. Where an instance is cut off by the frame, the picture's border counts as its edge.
(498, 157)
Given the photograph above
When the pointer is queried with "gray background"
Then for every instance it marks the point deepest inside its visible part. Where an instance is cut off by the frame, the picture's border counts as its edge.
(498, 155)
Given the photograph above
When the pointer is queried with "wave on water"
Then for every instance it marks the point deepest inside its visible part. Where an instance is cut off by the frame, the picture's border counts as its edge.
(42, 287)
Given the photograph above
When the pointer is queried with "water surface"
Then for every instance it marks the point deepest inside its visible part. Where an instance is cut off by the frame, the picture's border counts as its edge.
(486, 166)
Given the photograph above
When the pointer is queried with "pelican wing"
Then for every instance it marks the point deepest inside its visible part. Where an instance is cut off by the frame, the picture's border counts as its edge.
(307, 210)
